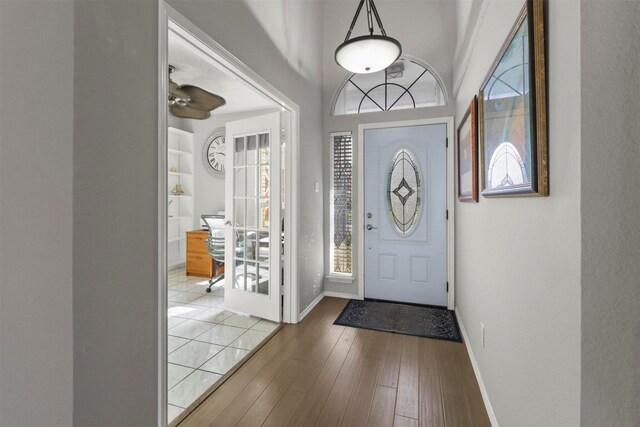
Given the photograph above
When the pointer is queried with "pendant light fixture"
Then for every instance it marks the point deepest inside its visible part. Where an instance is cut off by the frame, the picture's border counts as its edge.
(369, 53)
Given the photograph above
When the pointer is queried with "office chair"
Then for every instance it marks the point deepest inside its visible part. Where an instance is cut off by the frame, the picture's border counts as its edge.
(215, 244)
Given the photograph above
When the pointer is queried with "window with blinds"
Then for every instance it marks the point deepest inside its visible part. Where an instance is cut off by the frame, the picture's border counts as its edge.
(340, 203)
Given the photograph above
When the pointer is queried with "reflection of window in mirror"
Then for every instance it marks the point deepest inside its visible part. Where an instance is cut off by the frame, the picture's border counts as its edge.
(506, 167)
(510, 78)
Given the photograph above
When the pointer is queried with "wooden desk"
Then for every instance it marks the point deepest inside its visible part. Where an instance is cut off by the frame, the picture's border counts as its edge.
(199, 263)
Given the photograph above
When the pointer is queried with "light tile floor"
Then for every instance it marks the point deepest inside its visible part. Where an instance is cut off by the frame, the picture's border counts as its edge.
(205, 341)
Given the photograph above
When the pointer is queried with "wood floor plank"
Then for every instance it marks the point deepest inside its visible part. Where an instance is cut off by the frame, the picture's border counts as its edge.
(288, 336)
(377, 345)
(455, 407)
(407, 402)
(260, 410)
(477, 411)
(400, 421)
(431, 404)
(336, 403)
(359, 406)
(317, 359)
(308, 411)
(228, 391)
(260, 381)
(233, 412)
(390, 368)
(285, 409)
(317, 373)
(383, 407)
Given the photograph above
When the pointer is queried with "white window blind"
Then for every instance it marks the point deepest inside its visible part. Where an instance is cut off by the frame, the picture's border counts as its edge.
(340, 203)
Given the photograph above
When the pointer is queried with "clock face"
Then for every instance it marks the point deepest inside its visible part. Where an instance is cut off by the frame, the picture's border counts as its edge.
(214, 154)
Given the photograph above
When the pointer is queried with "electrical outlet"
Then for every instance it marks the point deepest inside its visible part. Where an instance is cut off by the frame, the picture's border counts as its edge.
(482, 333)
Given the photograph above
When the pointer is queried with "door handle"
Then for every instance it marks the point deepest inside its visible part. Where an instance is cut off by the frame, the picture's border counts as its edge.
(227, 223)
(371, 227)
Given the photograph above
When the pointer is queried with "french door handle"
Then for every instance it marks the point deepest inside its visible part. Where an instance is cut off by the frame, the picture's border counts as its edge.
(371, 227)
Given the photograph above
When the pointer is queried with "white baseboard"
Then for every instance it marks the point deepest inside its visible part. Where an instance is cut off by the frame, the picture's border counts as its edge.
(340, 295)
(476, 370)
(175, 265)
(310, 307)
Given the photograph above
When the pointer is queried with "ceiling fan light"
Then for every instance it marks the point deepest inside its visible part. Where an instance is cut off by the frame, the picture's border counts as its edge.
(368, 54)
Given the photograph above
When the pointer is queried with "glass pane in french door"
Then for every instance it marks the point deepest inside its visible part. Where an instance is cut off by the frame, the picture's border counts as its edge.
(251, 213)
(240, 271)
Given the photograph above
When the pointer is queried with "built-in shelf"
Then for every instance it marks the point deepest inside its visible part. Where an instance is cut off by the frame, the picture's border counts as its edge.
(179, 132)
(179, 152)
(180, 209)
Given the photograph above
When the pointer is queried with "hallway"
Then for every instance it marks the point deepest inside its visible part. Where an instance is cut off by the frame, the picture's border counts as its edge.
(317, 373)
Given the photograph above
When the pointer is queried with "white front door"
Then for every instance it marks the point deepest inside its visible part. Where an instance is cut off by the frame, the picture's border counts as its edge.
(253, 215)
(405, 212)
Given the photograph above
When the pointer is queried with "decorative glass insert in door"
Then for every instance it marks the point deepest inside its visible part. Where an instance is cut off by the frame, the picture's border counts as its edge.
(404, 192)
(251, 212)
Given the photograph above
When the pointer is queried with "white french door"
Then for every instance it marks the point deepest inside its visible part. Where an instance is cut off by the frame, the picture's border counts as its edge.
(253, 216)
(405, 235)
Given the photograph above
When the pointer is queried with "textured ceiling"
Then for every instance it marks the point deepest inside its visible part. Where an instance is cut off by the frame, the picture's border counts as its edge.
(194, 68)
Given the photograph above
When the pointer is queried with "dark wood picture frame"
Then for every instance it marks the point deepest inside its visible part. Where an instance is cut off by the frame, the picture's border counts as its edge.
(523, 134)
(470, 118)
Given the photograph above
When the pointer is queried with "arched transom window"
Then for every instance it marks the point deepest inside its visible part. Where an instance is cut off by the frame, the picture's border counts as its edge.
(405, 84)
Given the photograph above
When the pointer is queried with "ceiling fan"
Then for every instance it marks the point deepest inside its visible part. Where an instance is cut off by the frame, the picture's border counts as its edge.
(191, 102)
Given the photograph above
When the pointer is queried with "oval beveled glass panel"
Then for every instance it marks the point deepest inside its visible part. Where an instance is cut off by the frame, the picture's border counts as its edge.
(404, 192)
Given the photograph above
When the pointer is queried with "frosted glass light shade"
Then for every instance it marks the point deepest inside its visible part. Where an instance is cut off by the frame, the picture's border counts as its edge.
(368, 54)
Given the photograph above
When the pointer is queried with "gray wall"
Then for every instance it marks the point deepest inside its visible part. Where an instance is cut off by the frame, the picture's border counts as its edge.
(610, 161)
(115, 208)
(518, 259)
(36, 170)
(279, 41)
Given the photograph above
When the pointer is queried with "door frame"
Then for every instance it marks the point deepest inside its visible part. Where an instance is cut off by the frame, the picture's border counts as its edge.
(450, 191)
(290, 122)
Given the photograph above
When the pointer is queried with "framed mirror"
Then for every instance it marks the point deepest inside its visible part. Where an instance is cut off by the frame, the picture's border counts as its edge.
(513, 112)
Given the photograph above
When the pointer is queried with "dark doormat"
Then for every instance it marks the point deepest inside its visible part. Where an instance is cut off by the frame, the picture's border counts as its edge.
(421, 321)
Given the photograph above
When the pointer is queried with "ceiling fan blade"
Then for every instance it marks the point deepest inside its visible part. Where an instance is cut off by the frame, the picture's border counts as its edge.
(189, 112)
(175, 91)
(201, 99)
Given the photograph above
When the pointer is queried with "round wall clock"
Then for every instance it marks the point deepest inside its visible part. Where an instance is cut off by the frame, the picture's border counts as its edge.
(214, 153)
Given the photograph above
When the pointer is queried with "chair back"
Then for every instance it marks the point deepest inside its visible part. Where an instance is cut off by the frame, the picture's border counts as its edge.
(215, 241)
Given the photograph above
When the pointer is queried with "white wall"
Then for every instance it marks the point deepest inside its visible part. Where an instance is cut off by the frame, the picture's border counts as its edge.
(286, 55)
(610, 155)
(115, 211)
(469, 19)
(518, 259)
(36, 170)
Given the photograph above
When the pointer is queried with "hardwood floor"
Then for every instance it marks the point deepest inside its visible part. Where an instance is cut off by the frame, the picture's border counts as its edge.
(319, 374)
